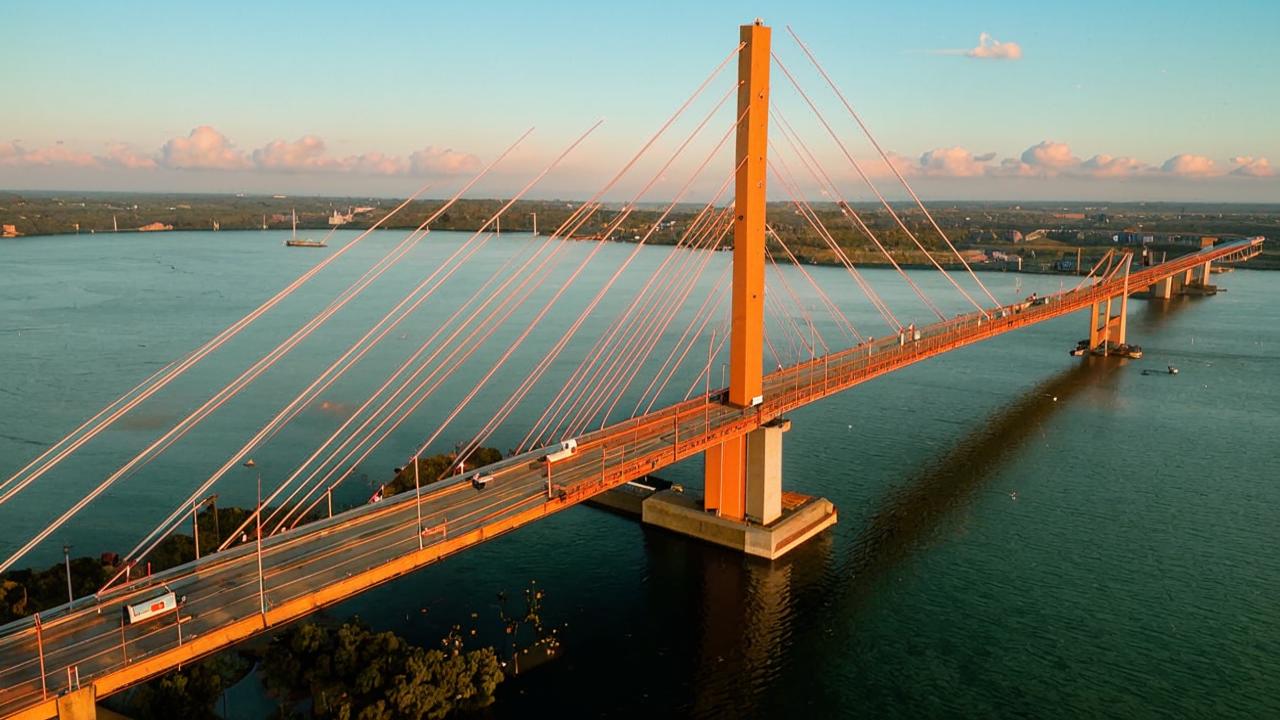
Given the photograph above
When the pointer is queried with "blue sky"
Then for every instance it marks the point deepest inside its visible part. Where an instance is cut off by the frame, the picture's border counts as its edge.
(1134, 100)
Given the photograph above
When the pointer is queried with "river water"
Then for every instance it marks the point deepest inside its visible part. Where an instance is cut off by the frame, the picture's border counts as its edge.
(1021, 533)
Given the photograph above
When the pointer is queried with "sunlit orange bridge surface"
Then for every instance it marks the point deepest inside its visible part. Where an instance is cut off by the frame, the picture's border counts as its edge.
(322, 563)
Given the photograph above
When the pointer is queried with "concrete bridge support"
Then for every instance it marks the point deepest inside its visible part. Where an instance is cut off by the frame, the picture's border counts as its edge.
(1161, 289)
(771, 522)
(743, 503)
(1106, 329)
(752, 463)
(1194, 281)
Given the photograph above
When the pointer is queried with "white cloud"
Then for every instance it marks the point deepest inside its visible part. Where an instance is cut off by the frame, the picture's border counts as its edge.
(991, 49)
(125, 156)
(12, 153)
(953, 162)
(1188, 165)
(306, 153)
(309, 154)
(1016, 168)
(375, 163)
(1247, 166)
(442, 161)
(1049, 157)
(1108, 166)
(204, 149)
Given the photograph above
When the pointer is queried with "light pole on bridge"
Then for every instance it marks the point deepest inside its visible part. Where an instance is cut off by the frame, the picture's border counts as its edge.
(262, 590)
(66, 558)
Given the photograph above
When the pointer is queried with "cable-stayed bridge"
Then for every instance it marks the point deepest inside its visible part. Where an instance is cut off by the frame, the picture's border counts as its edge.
(290, 557)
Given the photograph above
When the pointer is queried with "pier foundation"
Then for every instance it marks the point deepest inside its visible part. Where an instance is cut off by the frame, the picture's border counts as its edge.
(802, 517)
(769, 523)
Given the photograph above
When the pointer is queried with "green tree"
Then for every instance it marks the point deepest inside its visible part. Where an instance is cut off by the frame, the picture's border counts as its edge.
(352, 673)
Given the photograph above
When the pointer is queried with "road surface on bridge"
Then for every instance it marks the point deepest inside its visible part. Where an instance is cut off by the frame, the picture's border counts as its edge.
(330, 560)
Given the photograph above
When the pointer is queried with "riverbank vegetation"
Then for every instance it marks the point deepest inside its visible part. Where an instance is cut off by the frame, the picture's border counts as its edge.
(1040, 232)
(351, 671)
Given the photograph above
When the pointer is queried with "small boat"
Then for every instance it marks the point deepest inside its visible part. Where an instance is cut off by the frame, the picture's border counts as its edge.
(295, 242)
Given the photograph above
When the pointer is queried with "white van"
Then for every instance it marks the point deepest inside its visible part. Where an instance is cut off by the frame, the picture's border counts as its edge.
(567, 449)
(148, 609)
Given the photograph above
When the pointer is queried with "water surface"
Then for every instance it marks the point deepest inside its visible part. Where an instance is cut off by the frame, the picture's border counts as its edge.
(1021, 533)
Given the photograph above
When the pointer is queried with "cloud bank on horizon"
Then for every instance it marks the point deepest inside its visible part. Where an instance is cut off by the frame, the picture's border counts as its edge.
(1049, 158)
(207, 149)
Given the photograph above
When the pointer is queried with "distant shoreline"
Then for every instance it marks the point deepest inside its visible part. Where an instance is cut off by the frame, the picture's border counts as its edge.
(1041, 234)
(950, 266)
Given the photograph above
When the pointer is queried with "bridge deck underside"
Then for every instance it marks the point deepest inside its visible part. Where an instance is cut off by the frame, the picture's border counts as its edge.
(331, 560)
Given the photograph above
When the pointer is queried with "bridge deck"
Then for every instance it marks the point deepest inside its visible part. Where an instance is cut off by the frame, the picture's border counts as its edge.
(331, 560)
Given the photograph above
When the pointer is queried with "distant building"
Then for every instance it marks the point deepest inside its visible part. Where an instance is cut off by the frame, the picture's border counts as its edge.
(9, 231)
(1013, 236)
(154, 227)
(1069, 216)
(338, 218)
(362, 210)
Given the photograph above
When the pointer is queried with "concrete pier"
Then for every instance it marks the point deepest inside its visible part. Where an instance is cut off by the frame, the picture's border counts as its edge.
(775, 521)
(801, 517)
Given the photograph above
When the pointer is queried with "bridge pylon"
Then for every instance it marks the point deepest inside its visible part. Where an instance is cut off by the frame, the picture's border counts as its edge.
(1108, 332)
(742, 475)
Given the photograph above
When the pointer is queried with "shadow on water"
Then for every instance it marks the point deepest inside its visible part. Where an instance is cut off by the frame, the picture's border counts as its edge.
(726, 636)
(749, 613)
(915, 511)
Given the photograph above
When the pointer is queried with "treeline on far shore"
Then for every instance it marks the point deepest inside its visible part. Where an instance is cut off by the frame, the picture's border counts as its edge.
(1041, 232)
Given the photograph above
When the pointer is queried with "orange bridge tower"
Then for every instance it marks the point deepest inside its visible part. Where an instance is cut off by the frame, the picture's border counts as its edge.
(742, 505)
